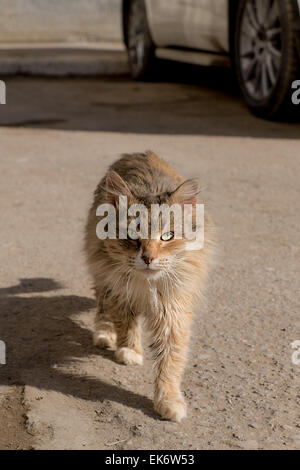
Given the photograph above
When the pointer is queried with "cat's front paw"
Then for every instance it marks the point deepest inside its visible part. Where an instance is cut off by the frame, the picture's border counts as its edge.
(128, 356)
(173, 408)
(105, 339)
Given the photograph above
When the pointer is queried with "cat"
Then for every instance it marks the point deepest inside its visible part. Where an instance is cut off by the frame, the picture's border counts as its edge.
(154, 279)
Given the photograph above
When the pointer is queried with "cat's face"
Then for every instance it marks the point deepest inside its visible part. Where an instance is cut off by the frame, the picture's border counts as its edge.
(151, 257)
(156, 257)
(158, 254)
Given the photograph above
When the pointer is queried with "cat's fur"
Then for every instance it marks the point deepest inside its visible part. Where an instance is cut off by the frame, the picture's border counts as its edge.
(125, 292)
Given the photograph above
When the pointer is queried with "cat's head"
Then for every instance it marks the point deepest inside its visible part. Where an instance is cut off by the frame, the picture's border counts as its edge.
(159, 253)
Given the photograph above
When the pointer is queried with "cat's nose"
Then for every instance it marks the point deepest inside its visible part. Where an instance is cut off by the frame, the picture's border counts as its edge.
(147, 258)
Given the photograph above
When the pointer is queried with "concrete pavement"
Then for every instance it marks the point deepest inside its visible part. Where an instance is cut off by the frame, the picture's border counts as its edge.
(57, 391)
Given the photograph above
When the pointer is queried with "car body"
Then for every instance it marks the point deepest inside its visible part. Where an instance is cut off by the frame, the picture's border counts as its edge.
(195, 24)
(212, 32)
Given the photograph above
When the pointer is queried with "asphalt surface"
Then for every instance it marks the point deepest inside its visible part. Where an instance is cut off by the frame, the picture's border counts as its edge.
(57, 137)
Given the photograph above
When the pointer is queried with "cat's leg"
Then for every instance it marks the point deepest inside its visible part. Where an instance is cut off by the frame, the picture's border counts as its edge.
(170, 350)
(129, 346)
(105, 334)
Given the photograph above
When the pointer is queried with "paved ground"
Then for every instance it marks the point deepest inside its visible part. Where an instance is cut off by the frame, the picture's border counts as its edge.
(57, 137)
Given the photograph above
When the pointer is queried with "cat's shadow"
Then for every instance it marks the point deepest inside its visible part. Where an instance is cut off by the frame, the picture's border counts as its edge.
(41, 334)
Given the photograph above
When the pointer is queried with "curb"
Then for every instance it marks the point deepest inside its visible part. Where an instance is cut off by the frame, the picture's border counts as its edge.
(63, 59)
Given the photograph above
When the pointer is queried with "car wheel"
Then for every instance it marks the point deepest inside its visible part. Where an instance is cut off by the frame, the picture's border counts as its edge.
(140, 46)
(266, 58)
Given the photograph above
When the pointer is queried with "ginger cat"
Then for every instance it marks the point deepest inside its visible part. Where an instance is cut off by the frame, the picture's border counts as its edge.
(154, 279)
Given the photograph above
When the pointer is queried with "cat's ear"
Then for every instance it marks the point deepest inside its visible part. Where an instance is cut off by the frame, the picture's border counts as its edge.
(115, 186)
(186, 193)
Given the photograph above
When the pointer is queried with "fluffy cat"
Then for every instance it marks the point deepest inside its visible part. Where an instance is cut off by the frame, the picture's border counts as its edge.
(152, 279)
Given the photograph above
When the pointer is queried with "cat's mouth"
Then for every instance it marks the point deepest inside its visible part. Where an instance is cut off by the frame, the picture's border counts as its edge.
(149, 272)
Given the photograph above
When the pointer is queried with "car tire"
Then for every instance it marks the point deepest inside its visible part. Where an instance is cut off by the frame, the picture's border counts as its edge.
(140, 46)
(265, 55)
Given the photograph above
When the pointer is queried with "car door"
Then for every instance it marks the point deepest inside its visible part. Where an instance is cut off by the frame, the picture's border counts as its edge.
(206, 24)
(199, 24)
(165, 22)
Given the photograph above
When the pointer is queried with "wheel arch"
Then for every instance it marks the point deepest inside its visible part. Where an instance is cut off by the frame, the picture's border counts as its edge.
(232, 14)
(296, 6)
(125, 10)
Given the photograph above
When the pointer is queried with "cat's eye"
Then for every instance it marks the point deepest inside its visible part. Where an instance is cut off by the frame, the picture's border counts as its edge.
(167, 236)
(132, 234)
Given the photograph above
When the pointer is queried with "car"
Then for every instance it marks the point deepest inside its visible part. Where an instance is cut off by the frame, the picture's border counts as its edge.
(260, 39)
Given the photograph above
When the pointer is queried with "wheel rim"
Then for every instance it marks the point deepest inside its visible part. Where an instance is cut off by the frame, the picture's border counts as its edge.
(261, 47)
(136, 38)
